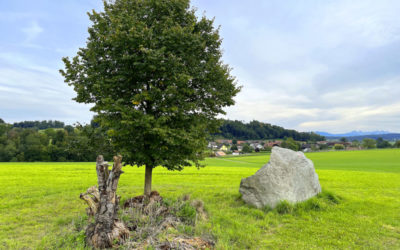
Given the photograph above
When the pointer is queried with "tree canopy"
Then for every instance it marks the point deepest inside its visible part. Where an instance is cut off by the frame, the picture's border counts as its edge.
(381, 143)
(291, 144)
(39, 124)
(256, 130)
(368, 143)
(154, 74)
(79, 143)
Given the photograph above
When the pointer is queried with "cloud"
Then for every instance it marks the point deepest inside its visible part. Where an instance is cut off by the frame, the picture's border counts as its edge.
(32, 31)
(308, 65)
(329, 65)
(29, 92)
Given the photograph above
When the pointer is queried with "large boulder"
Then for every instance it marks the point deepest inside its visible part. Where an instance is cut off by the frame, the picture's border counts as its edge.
(288, 175)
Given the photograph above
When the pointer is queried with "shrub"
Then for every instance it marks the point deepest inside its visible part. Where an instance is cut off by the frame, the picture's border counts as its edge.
(381, 143)
(291, 144)
(187, 213)
(369, 143)
(247, 149)
(338, 146)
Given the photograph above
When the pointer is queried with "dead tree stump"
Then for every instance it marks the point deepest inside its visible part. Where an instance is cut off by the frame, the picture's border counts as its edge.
(103, 205)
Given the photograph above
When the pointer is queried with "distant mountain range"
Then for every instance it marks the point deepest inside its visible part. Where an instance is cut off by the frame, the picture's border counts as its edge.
(353, 133)
(360, 135)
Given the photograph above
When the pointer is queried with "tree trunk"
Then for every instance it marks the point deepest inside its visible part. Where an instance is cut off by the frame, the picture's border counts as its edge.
(147, 180)
(106, 230)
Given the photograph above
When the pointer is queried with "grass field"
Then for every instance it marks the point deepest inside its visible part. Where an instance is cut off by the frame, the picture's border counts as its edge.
(39, 202)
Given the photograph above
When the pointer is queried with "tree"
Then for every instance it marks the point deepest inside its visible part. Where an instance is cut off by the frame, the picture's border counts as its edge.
(234, 147)
(338, 146)
(256, 130)
(69, 129)
(290, 144)
(355, 143)
(153, 72)
(1, 121)
(368, 143)
(247, 149)
(381, 143)
(397, 144)
(343, 139)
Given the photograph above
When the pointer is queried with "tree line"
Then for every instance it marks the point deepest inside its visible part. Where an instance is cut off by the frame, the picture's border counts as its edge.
(39, 124)
(54, 141)
(68, 143)
(256, 130)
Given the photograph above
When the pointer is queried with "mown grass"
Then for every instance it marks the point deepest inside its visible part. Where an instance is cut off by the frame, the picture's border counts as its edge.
(40, 206)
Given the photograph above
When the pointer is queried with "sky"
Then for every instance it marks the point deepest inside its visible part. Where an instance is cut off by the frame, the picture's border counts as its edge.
(306, 65)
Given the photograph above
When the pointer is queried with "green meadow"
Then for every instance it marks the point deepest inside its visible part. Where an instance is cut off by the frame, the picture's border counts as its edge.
(40, 206)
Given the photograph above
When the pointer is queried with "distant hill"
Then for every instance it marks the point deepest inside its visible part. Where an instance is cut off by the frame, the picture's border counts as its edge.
(354, 133)
(256, 130)
(39, 124)
(388, 137)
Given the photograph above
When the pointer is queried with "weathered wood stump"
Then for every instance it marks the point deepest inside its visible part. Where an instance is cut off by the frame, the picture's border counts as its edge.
(103, 204)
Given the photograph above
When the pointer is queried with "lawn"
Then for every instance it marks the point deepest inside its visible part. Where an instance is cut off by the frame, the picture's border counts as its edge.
(40, 206)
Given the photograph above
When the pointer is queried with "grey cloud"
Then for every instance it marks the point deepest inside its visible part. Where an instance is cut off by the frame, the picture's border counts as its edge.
(372, 65)
(308, 65)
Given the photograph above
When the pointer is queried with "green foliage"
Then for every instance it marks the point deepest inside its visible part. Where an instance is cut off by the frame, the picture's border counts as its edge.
(154, 74)
(397, 144)
(267, 149)
(368, 143)
(381, 143)
(39, 124)
(187, 213)
(247, 149)
(256, 130)
(323, 146)
(291, 144)
(343, 139)
(355, 143)
(80, 143)
(338, 146)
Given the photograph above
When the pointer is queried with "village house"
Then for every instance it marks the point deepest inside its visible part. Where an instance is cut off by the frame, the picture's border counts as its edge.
(212, 145)
(224, 141)
(273, 144)
(223, 148)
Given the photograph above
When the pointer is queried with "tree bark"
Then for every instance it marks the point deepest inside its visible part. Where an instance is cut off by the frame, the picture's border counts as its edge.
(147, 180)
(106, 230)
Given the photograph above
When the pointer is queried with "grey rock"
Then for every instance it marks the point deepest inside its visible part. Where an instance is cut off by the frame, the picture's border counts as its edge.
(289, 176)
